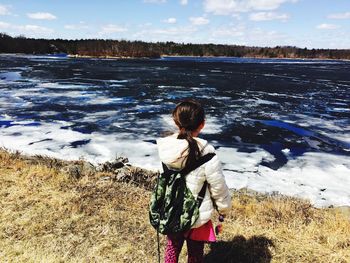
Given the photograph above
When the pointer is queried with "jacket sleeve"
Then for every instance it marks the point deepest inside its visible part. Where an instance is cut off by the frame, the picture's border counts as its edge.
(217, 185)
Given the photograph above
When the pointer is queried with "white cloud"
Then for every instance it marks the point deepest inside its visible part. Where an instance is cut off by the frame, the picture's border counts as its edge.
(35, 29)
(170, 20)
(345, 15)
(4, 25)
(27, 30)
(41, 16)
(111, 28)
(154, 1)
(183, 2)
(4, 10)
(266, 16)
(229, 31)
(145, 25)
(242, 34)
(327, 26)
(236, 16)
(79, 26)
(199, 21)
(227, 7)
(175, 33)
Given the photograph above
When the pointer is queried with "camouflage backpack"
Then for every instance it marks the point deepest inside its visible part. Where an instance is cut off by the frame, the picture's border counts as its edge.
(173, 208)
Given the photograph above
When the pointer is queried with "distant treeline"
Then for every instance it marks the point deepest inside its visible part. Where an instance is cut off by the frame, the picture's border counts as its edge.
(123, 48)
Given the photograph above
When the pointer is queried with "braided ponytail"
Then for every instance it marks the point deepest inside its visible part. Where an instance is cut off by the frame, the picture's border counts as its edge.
(188, 116)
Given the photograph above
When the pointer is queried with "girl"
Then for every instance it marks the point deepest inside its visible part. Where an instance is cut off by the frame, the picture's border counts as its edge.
(181, 150)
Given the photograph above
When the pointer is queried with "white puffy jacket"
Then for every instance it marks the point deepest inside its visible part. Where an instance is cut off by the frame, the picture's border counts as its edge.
(170, 149)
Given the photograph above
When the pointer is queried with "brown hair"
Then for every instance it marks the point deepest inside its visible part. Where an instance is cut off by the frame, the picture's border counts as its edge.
(188, 116)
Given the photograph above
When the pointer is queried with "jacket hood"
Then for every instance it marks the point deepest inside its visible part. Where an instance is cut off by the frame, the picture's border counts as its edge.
(173, 151)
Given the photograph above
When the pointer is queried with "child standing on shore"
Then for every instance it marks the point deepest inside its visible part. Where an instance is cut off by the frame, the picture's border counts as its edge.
(182, 150)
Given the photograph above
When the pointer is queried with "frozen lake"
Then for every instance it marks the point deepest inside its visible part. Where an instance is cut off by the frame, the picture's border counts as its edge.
(278, 125)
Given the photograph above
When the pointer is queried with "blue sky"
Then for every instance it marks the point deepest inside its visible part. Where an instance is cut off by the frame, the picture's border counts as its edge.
(302, 23)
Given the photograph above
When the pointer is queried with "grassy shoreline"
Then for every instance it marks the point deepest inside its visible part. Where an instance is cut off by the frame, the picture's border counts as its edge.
(54, 212)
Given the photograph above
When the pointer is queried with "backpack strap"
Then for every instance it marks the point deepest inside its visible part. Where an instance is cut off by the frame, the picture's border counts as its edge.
(202, 160)
(165, 168)
(201, 193)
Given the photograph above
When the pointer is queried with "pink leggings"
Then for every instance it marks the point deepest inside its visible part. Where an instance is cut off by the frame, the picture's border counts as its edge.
(195, 249)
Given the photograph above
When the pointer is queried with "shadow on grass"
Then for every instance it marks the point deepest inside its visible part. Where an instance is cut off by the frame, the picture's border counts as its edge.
(240, 250)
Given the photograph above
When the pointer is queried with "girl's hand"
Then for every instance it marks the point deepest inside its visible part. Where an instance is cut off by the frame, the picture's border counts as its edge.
(219, 227)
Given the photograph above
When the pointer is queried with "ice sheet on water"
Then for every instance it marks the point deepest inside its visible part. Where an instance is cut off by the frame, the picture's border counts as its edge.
(56, 140)
(334, 128)
(257, 101)
(10, 76)
(55, 85)
(317, 176)
(322, 178)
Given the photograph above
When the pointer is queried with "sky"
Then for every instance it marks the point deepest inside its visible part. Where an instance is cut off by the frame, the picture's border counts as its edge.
(301, 23)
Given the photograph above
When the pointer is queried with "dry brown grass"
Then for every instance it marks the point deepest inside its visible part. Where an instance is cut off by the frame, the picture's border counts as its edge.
(46, 216)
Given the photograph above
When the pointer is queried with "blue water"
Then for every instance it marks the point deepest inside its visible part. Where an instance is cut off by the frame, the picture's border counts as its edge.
(289, 127)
